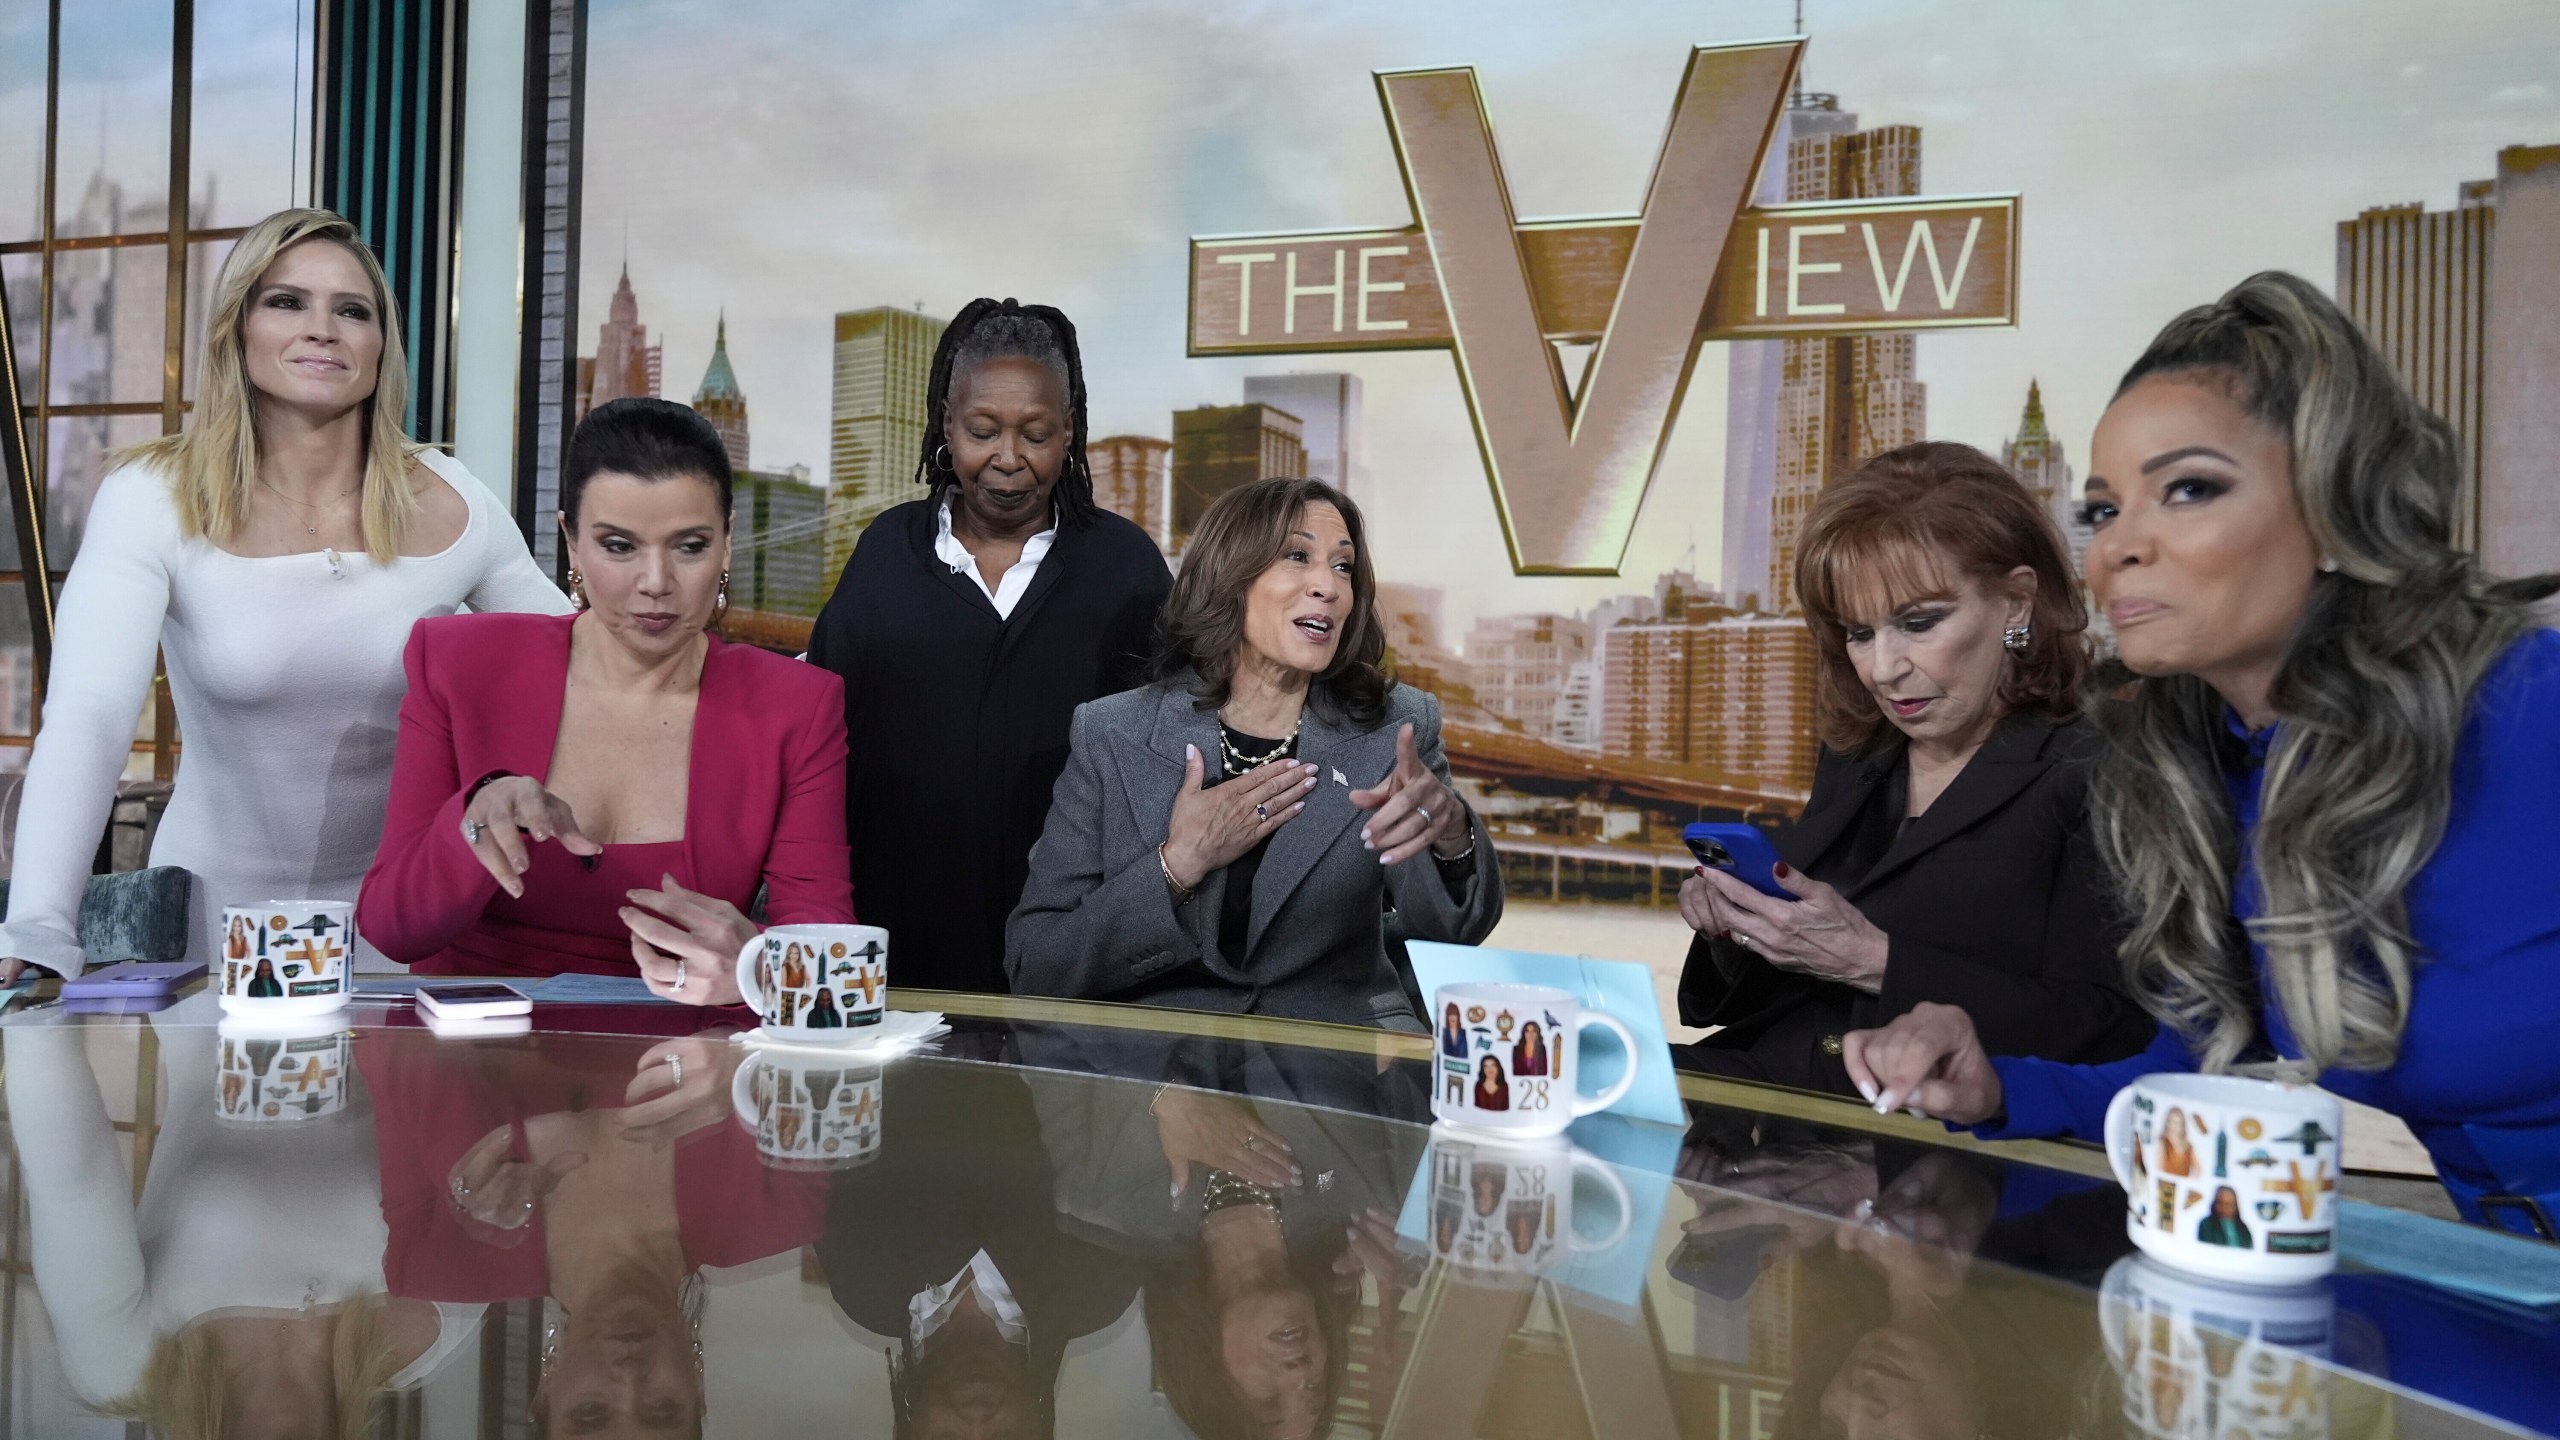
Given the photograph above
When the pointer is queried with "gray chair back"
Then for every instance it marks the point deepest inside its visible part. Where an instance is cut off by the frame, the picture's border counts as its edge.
(138, 915)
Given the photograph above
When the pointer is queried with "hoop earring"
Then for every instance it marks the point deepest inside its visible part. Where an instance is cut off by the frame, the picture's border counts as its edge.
(577, 591)
(2015, 638)
(942, 458)
(720, 605)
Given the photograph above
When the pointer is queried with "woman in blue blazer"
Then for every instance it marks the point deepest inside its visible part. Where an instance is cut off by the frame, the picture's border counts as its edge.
(2333, 798)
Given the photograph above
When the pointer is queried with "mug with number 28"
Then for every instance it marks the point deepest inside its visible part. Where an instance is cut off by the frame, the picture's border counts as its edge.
(1506, 1059)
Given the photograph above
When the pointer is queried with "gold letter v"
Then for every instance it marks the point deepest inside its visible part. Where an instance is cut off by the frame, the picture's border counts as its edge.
(1569, 473)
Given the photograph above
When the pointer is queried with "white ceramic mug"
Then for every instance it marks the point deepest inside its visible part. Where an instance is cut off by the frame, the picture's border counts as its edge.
(817, 984)
(1510, 1207)
(286, 957)
(1507, 1058)
(2229, 1177)
(808, 1112)
(267, 1075)
(2201, 1358)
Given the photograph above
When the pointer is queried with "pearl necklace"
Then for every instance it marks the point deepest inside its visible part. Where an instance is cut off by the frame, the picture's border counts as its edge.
(1238, 762)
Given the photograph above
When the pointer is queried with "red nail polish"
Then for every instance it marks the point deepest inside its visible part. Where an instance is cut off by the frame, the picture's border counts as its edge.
(1783, 871)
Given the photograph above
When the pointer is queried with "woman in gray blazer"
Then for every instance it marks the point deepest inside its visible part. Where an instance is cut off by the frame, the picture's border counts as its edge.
(1230, 837)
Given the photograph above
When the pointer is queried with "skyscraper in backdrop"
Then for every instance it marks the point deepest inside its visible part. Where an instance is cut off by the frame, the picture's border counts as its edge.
(883, 357)
(2465, 305)
(719, 400)
(625, 363)
(1839, 400)
(1754, 370)
(1327, 404)
(1133, 479)
(1217, 448)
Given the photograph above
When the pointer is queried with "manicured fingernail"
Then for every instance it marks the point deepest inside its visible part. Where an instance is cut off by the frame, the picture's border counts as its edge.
(1783, 871)
(1867, 1090)
(1310, 783)
(1189, 752)
(1884, 1103)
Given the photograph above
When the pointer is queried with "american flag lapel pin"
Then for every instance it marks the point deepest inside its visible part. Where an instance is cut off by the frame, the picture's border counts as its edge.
(1341, 779)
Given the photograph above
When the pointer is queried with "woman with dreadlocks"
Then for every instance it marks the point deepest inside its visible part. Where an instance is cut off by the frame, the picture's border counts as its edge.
(968, 626)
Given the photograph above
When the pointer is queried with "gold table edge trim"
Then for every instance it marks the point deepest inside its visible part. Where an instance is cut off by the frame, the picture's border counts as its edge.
(2070, 1156)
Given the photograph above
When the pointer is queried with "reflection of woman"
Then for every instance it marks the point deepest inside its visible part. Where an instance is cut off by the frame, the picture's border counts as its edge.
(609, 791)
(1942, 855)
(968, 626)
(1529, 1057)
(599, 1174)
(277, 552)
(2334, 797)
(2224, 1226)
(2177, 1152)
(1453, 1036)
(1492, 1091)
(242, 1292)
(1263, 885)
(1486, 1180)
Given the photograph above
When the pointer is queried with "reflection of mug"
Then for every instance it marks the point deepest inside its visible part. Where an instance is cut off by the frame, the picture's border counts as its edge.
(1508, 1058)
(807, 1112)
(285, 957)
(2198, 1358)
(817, 983)
(270, 1075)
(2229, 1177)
(1507, 1206)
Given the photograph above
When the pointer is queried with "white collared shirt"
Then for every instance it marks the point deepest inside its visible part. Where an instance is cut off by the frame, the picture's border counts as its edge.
(1009, 590)
(931, 1309)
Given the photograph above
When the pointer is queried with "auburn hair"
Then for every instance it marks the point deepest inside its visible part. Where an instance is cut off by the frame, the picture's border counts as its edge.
(1911, 524)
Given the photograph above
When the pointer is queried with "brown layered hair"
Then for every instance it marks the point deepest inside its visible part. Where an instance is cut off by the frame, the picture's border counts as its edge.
(1244, 533)
(1909, 525)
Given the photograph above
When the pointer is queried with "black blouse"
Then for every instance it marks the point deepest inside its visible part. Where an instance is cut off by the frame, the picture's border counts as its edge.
(1235, 907)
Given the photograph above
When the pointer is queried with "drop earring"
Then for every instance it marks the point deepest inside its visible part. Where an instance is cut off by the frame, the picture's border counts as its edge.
(577, 590)
(720, 602)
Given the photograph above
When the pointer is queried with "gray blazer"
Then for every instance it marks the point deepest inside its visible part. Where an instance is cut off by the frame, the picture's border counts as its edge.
(1096, 922)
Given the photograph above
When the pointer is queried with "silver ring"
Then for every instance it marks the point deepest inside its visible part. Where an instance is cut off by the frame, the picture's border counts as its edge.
(1425, 814)
(679, 985)
(1251, 1140)
(471, 831)
(677, 1061)
(1262, 812)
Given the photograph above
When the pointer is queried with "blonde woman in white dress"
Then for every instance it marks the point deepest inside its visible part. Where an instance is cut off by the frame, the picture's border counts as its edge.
(276, 553)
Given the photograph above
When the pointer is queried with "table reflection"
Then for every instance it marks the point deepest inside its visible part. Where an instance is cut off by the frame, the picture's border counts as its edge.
(1042, 1227)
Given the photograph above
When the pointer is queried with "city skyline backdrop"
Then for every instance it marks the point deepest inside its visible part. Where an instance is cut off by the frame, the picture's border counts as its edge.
(2339, 114)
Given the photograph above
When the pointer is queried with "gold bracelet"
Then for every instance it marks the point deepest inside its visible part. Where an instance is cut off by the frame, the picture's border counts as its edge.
(1181, 893)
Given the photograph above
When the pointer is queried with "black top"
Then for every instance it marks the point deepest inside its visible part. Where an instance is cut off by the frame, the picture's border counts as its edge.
(958, 720)
(1235, 907)
(1992, 901)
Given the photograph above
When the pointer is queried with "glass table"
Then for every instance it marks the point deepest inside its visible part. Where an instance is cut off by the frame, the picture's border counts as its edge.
(1079, 1220)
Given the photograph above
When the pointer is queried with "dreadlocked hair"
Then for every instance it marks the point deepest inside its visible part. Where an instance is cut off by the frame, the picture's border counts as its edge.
(1006, 329)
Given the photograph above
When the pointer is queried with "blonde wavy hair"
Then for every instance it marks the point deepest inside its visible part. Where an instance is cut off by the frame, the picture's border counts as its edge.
(212, 465)
(2374, 688)
(184, 1395)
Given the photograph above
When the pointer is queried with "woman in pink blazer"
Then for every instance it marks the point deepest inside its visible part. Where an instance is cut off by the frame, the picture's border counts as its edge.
(608, 790)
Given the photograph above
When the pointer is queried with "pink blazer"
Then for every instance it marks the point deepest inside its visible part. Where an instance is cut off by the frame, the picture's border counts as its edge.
(764, 804)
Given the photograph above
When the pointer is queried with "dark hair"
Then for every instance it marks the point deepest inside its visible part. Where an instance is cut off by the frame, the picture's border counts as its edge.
(647, 439)
(1897, 525)
(1006, 329)
(1185, 1336)
(1244, 533)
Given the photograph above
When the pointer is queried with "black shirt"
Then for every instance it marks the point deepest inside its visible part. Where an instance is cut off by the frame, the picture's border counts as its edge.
(1235, 907)
(958, 717)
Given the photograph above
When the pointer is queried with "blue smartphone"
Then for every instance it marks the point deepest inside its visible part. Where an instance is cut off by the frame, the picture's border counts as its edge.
(1740, 851)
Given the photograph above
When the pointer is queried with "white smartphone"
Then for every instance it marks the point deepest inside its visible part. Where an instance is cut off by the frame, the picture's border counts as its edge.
(444, 1029)
(474, 1000)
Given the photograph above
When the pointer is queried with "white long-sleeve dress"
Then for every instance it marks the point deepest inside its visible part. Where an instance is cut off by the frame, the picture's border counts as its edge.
(285, 672)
